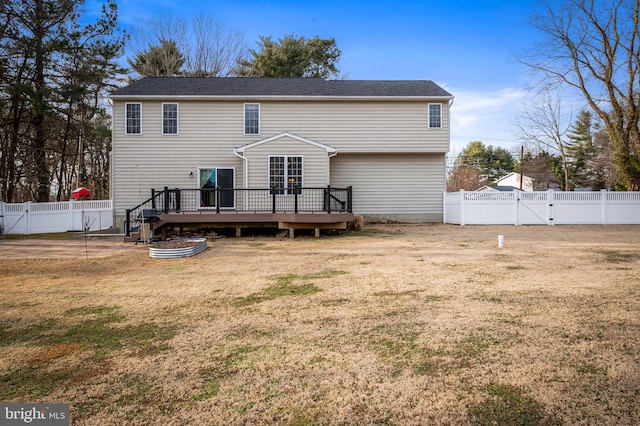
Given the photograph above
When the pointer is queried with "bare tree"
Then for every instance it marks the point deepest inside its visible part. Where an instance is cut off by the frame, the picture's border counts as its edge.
(594, 46)
(464, 177)
(545, 123)
(215, 48)
(210, 48)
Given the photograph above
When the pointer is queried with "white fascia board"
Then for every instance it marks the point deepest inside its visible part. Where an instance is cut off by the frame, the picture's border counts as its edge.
(328, 148)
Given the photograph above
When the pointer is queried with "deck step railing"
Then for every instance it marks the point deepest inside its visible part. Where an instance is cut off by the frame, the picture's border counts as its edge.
(222, 200)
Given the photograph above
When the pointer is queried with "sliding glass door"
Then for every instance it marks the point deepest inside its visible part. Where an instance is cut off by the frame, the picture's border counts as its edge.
(210, 179)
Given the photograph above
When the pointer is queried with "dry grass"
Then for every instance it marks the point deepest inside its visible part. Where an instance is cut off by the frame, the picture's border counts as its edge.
(395, 324)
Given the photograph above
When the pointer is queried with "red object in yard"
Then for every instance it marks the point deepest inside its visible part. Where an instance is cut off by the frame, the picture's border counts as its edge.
(81, 191)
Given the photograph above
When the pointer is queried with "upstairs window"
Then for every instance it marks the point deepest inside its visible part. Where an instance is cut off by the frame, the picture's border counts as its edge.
(133, 119)
(251, 119)
(285, 174)
(435, 116)
(169, 119)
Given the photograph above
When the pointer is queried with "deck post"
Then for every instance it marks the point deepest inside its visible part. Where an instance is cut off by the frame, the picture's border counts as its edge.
(273, 195)
(295, 200)
(127, 223)
(217, 199)
(328, 198)
(350, 199)
(153, 198)
(177, 199)
(166, 199)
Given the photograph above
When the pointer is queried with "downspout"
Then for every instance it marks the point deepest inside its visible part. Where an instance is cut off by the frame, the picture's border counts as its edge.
(331, 155)
(245, 174)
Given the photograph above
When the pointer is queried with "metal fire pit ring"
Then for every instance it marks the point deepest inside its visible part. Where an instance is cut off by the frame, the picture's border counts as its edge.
(164, 250)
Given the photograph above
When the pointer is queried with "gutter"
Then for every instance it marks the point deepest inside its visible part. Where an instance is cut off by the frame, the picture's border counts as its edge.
(279, 98)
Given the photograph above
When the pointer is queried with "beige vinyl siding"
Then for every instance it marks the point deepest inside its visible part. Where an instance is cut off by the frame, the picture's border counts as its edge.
(348, 126)
(154, 160)
(210, 130)
(360, 127)
(315, 163)
(402, 187)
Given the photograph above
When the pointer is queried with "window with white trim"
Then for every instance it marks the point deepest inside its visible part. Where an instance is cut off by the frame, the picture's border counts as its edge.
(133, 118)
(169, 119)
(285, 174)
(251, 119)
(435, 116)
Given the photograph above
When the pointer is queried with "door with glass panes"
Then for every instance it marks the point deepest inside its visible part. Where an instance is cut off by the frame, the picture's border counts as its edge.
(211, 178)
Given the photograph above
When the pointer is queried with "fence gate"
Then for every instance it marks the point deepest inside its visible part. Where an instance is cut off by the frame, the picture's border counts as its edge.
(534, 208)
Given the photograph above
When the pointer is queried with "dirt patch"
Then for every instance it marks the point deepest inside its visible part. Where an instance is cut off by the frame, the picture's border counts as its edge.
(175, 244)
(397, 324)
(62, 249)
(49, 353)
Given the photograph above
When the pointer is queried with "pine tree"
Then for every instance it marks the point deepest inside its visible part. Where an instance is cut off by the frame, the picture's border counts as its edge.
(492, 162)
(55, 72)
(580, 150)
(164, 60)
(292, 56)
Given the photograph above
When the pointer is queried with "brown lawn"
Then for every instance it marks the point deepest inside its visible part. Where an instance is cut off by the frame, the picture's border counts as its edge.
(398, 324)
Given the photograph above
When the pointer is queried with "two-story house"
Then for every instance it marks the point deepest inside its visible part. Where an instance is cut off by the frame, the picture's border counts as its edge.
(265, 146)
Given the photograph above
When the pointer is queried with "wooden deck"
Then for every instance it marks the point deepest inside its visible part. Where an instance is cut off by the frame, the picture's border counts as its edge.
(180, 221)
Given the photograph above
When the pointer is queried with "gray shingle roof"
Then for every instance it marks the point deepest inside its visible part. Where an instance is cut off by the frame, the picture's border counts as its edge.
(247, 87)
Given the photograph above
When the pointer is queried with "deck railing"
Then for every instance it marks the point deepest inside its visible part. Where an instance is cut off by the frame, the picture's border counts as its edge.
(222, 200)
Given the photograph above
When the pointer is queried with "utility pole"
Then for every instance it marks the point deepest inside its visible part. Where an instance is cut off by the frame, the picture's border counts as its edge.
(521, 165)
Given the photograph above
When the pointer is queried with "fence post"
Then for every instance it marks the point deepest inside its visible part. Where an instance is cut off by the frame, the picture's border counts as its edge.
(603, 198)
(517, 219)
(462, 207)
(28, 212)
(444, 207)
(71, 215)
(550, 202)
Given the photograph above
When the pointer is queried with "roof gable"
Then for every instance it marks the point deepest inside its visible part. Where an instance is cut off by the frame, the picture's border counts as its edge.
(329, 149)
(252, 87)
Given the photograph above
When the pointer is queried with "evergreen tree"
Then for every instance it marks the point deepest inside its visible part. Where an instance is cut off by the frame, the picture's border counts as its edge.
(580, 150)
(291, 56)
(492, 162)
(55, 72)
(164, 60)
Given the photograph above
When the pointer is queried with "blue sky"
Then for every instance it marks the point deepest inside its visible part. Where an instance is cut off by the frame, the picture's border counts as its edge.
(467, 47)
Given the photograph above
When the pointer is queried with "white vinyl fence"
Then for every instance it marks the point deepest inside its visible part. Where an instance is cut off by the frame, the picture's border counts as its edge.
(42, 218)
(541, 208)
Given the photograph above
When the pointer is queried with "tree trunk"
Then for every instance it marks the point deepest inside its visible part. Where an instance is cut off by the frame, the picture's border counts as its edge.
(39, 110)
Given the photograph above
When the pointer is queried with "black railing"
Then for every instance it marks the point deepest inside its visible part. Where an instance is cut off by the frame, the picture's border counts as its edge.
(222, 200)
